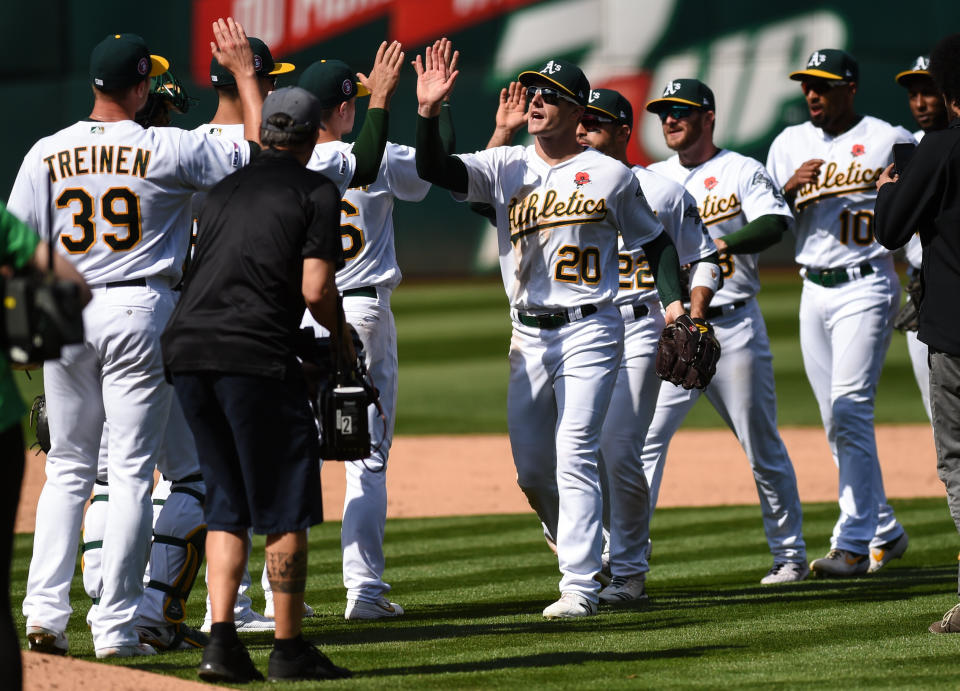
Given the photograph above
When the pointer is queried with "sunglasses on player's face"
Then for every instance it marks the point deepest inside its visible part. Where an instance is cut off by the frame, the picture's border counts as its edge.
(593, 123)
(678, 112)
(820, 86)
(549, 95)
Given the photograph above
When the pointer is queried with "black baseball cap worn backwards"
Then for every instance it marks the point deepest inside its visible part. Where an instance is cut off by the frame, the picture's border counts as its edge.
(611, 104)
(563, 74)
(122, 60)
(831, 64)
(298, 104)
(684, 92)
(263, 65)
(332, 82)
(919, 70)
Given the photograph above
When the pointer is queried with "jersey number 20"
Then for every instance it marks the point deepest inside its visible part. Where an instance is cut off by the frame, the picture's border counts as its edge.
(119, 207)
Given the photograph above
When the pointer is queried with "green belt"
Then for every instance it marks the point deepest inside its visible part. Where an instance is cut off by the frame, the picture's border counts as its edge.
(555, 320)
(365, 292)
(834, 277)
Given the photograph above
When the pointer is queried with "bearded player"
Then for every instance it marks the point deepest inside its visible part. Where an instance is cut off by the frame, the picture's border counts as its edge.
(926, 106)
(827, 170)
(559, 208)
(743, 214)
(607, 125)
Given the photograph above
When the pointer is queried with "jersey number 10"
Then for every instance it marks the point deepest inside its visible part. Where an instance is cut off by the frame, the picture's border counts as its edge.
(119, 207)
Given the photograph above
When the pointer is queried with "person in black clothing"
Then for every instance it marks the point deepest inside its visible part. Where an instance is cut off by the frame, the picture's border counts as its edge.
(270, 246)
(925, 197)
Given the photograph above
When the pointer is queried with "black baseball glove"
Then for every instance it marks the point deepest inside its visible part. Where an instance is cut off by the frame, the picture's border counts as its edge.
(39, 423)
(908, 318)
(687, 353)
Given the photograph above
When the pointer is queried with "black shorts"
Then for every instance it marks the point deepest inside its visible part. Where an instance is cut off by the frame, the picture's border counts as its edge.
(258, 450)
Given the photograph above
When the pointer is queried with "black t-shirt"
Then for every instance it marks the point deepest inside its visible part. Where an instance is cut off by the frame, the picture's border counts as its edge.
(242, 300)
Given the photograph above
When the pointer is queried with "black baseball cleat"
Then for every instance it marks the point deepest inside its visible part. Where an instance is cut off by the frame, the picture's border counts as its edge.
(229, 663)
(309, 664)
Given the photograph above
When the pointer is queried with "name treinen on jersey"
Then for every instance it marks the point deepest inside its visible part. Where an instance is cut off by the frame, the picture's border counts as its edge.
(528, 215)
(833, 181)
(84, 160)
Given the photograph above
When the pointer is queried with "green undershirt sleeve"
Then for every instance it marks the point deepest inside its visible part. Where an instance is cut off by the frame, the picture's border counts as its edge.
(433, 164)
(757, 235)
(368, 149)
(447, 134)
(665, 266)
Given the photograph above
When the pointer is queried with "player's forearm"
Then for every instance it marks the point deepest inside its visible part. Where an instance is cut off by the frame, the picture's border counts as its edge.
(447, 133)
(758, 235)
(502, 136)
(252, 102)
(433, 164)
(369, 147)
(665, 266)
(700, 298)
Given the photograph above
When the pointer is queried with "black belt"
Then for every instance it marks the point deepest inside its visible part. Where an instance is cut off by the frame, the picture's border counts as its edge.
(555, 320)
(638, 311)
(365, 292)
(834, 277)
(714, 312)
(129, 283)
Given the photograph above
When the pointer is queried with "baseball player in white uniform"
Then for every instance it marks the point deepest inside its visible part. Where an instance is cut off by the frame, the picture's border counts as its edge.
(559, 207)
(115, 197)
(606, 126)
(827, 169)
(926, 106)
(744, 214)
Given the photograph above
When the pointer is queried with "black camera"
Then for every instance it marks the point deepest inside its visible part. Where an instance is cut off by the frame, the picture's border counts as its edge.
(41, 314)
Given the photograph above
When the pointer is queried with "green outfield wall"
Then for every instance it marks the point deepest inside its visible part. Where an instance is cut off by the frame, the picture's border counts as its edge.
(743, 49)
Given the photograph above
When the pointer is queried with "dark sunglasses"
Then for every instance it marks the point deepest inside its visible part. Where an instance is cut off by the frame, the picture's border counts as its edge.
(592, 123)
(549, 95)
(676, 112)
(820, 86)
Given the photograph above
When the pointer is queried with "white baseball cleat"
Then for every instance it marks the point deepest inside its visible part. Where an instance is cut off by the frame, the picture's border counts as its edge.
(840, 562)
(624, 589)
(250, 621)
(307, 611)
(381, 609)
(43, 640)
(786, 572)
(882, 555)
(139, 650)
(569, 606)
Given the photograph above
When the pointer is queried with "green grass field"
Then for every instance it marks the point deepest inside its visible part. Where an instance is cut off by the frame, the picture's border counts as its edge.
(474, 587)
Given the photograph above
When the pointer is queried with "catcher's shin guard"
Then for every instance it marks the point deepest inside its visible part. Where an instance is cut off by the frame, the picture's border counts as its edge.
(179, 537)
(94, 524)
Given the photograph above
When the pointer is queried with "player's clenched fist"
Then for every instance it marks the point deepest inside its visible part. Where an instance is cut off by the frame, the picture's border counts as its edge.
(435, 77)
(807, 173)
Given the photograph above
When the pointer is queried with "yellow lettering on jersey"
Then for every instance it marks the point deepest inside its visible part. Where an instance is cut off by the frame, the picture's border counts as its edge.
(529, 215)
(716, 209)
(106, 159)
(79, 163)
(124, 151)
(53, 173)
(140, 162)
(834, 181)
(63, 159)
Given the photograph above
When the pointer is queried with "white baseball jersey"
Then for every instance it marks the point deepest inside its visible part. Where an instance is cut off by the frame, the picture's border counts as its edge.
(557, 225)
(90, 183)
(230, 133)
(731, 190)
(677, 210)
(335, 160)
(367, 228)
(834, 225)
(914, 249)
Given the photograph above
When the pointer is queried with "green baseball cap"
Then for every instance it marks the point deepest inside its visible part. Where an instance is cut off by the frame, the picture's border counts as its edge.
(332, 82)
(919, 70)
(263, 65)
(122, 60)
(611, 104)
(563, 74)
(684, 92)
(829, 63)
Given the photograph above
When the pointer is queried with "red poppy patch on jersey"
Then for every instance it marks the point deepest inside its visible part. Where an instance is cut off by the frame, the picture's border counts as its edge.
(858, 150)
(710, 182)
(581, 179)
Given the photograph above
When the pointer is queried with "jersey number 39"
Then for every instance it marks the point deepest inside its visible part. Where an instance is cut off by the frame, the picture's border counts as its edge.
(119, 207)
